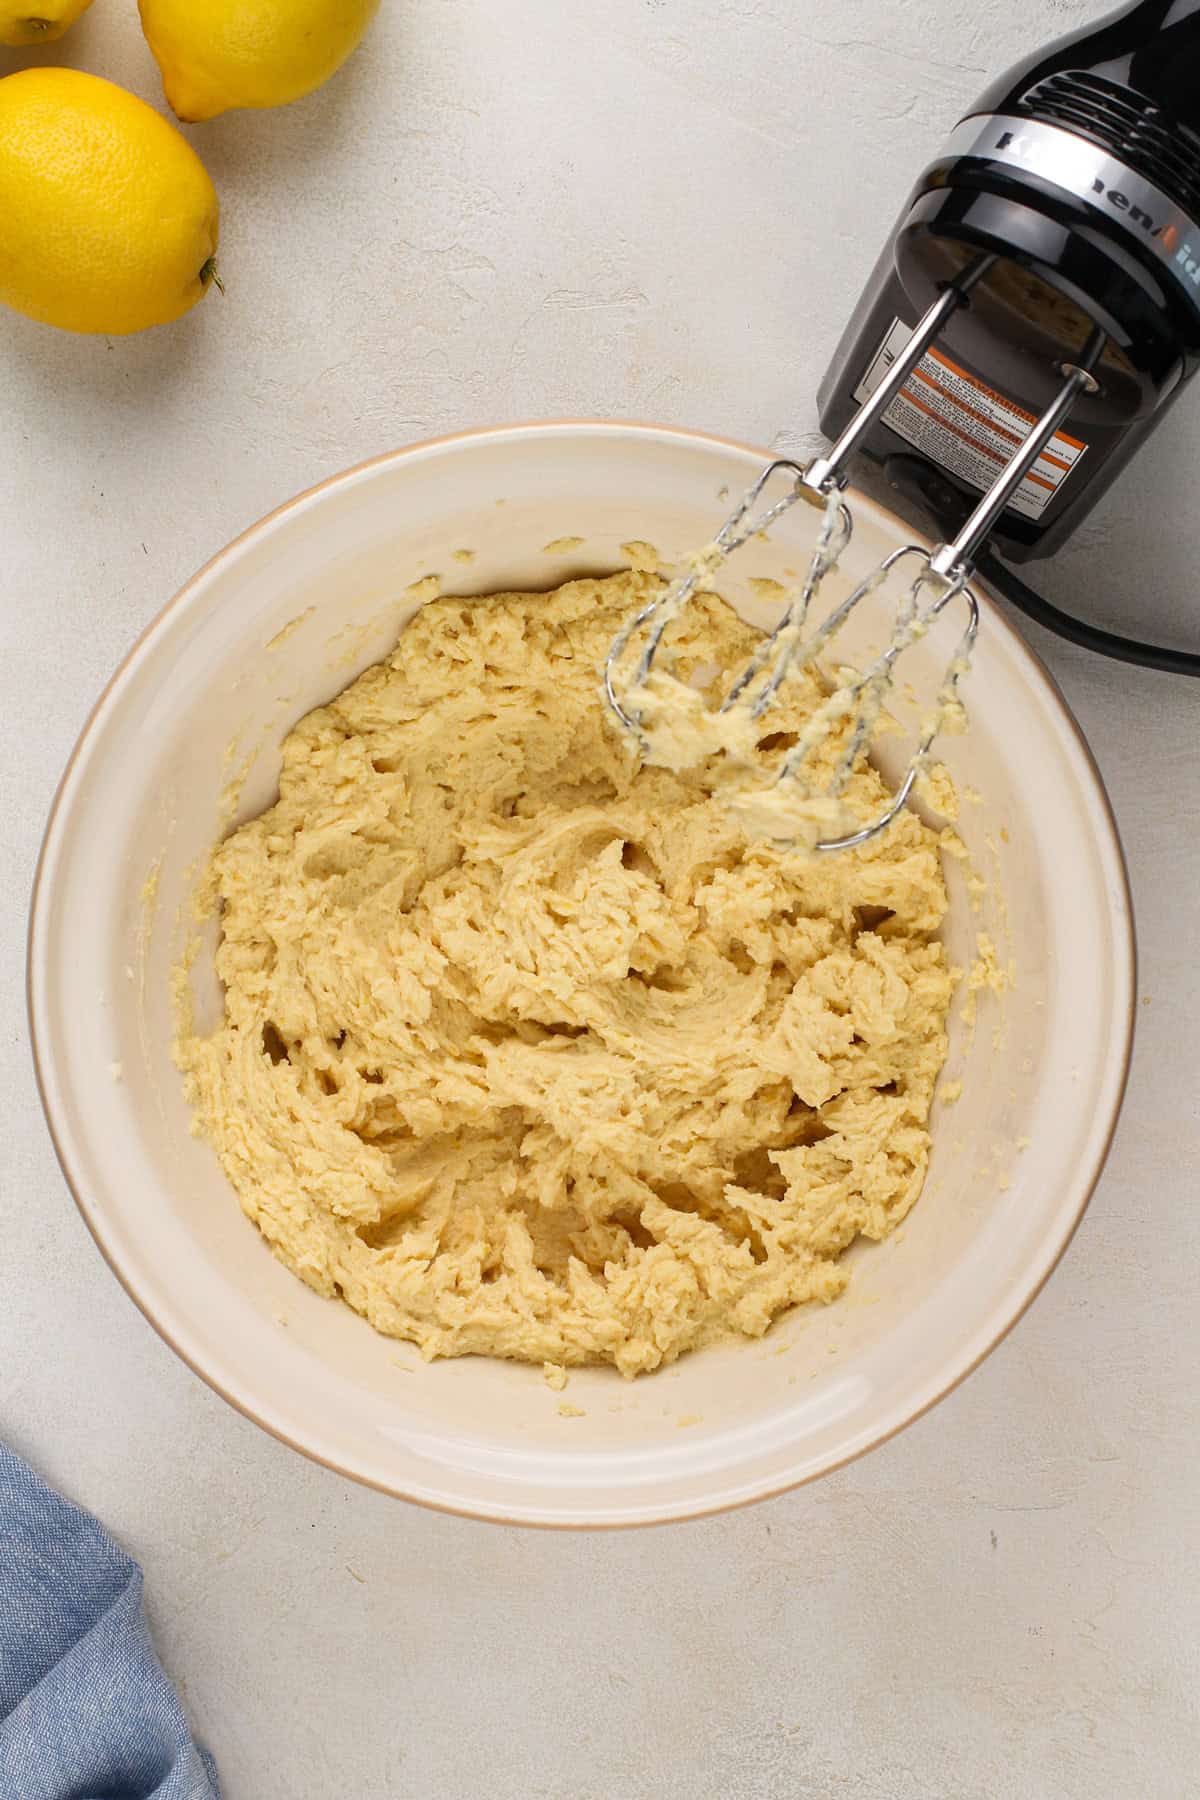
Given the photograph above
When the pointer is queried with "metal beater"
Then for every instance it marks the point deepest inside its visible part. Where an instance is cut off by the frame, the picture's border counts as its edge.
(939, 577)
(1055, 233)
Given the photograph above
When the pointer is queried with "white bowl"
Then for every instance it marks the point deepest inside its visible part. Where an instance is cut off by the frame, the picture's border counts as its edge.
(210, 691)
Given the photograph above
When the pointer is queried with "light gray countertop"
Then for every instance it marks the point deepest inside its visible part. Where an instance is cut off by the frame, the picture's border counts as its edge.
(658, 209)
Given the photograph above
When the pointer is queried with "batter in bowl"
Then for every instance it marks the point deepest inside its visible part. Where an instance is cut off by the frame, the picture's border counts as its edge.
(527, 1051)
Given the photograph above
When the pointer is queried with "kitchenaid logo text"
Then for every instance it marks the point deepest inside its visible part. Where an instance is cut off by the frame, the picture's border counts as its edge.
(1167, 236)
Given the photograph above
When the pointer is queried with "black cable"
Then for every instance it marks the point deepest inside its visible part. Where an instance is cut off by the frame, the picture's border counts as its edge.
(923, 484)
(1106, 643)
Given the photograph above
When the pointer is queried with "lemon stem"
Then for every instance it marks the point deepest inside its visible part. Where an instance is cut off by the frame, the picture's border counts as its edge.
(209, 273)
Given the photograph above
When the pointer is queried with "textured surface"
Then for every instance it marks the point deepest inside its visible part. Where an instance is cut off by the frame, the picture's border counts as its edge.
(500, 211)
(526, 1051)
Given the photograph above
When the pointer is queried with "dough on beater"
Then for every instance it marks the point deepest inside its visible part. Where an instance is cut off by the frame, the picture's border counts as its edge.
(526, 1050)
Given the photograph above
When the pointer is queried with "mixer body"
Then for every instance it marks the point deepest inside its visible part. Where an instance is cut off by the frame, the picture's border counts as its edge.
(1033, 315)
(1066, 208)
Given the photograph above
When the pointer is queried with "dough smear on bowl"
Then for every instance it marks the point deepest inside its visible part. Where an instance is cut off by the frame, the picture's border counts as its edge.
(526, 1050)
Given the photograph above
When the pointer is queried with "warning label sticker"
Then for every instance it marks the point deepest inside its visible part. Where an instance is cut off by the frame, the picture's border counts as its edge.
(957, 421)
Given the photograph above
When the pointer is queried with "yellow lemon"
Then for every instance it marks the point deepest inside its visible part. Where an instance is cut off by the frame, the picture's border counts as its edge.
(217, 54)
(37, 21)
(109, 217)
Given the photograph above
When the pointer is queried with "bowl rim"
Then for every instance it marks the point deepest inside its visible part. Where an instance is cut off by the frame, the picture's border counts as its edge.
(93, 1215)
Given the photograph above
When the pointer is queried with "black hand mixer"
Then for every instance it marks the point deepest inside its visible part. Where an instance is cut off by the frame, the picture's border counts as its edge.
(1028, 323)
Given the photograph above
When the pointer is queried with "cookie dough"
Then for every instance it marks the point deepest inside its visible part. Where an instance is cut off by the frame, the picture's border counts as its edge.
(527, 1051)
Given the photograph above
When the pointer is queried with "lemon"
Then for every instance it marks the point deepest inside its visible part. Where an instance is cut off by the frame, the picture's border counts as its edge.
(109, 217)
(216, 54)
(37, 21)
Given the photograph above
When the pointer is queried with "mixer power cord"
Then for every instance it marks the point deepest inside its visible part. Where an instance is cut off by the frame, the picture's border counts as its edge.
(918, 482)
(1064, 625)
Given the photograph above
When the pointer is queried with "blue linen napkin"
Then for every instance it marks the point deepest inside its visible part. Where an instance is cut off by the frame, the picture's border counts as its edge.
(86, 1712)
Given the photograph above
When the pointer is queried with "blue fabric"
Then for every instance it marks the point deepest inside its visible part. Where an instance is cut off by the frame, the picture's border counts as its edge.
(86, 1712)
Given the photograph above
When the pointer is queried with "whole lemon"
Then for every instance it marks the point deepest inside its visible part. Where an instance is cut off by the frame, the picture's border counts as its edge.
(217, 54)
(109, 217)
(37, 21)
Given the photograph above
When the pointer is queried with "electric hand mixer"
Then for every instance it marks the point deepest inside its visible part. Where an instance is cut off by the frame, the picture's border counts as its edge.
(1046, 265)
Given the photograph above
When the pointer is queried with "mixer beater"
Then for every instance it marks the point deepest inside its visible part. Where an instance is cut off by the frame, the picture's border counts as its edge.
(939, 577)
(1046, 263)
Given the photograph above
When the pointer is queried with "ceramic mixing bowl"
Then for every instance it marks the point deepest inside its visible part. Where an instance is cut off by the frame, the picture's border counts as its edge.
(189, 731)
